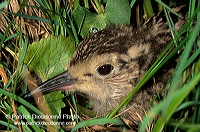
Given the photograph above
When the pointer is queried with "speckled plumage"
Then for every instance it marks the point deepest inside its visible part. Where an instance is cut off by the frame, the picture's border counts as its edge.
(108, 64)
(130, 51)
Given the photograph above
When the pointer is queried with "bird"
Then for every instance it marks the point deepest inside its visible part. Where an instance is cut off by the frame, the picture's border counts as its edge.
(108, 64)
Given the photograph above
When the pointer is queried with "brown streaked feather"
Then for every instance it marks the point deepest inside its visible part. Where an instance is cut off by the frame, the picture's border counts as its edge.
(131, 51)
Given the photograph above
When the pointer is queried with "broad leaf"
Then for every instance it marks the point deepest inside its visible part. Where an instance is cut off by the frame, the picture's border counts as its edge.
(87, 22)
(48, 58)
(116, 12)
(54, 100)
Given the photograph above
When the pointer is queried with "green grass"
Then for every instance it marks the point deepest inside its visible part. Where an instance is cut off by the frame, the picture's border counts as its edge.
(178, 109)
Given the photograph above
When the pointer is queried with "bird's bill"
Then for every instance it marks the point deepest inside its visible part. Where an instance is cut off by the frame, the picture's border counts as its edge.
(62, 81)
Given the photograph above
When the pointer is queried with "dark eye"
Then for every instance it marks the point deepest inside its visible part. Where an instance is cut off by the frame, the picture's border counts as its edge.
(105, 69)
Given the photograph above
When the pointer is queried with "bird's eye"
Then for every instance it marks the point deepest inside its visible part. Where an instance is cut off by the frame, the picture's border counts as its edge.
(105, 69)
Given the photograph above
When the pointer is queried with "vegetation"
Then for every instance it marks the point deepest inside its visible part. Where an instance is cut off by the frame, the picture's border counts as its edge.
(60, 26)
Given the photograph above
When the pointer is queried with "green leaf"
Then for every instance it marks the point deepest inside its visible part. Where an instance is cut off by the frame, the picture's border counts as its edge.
(54, 100)
(116, 12)
(87, 21)
(49, 56)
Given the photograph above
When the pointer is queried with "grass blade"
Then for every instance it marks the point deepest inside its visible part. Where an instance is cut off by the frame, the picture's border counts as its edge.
(19, 99)
(99, 121)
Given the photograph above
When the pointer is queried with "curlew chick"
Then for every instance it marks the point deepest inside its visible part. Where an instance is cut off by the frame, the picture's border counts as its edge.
(108, 64)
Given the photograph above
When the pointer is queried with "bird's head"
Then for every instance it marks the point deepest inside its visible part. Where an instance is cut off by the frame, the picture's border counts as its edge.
(107, 64)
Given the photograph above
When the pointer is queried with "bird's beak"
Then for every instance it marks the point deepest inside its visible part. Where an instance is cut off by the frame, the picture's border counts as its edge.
(62, 81)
